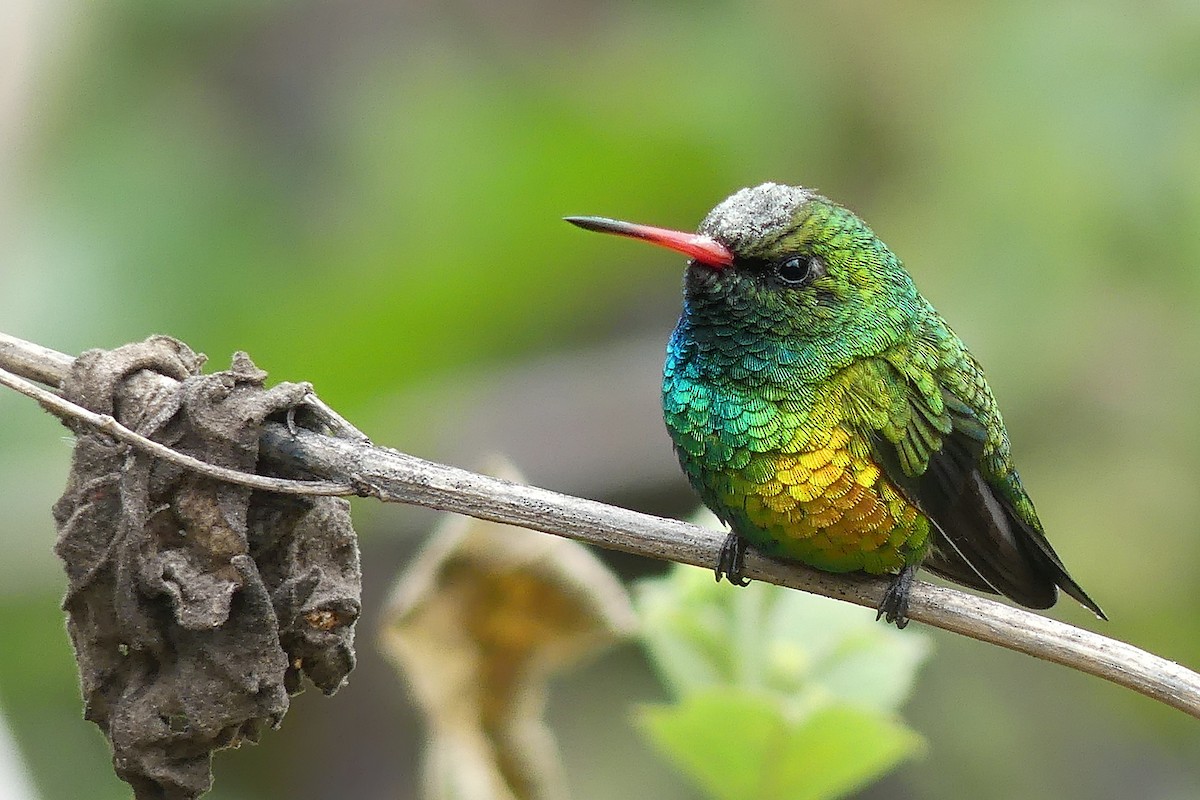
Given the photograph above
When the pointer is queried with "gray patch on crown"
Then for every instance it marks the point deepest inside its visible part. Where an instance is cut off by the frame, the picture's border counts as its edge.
(747, 216)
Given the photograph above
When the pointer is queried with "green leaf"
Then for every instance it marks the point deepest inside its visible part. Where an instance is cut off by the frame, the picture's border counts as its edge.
(844, 650)
(793, 645)
(780, 693)
(686, 627)
(738, 745)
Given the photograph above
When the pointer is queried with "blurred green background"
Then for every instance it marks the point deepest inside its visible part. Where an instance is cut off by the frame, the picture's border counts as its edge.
(367, 194)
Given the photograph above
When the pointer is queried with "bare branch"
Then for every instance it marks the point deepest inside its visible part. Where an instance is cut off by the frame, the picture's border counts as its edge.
(392, 476)
(33, 361)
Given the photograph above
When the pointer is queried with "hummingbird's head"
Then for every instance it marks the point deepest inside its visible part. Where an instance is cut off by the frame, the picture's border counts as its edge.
(787, 263)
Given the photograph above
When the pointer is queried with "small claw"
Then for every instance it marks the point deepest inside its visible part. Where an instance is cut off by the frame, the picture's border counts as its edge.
(894, 606)
(291, 421)
(731, 560)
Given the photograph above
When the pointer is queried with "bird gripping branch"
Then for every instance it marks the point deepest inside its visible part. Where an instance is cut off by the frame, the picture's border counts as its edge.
(827, 413)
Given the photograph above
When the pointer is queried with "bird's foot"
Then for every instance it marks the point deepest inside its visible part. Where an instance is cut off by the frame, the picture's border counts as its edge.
(894, 607)
(732, 560)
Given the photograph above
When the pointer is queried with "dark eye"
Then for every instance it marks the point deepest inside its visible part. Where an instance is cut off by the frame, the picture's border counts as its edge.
(794, 270)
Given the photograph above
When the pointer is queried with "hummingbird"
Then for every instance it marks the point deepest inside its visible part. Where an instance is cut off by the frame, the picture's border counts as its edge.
(826, 413)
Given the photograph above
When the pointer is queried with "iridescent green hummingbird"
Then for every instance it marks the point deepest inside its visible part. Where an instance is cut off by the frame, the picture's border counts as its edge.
(828, 414)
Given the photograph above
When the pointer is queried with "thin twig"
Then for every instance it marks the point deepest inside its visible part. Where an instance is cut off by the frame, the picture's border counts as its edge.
(396, 477)
(103, 422)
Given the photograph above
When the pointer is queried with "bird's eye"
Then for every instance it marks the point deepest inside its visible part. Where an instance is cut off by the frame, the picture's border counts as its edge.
(794, 270)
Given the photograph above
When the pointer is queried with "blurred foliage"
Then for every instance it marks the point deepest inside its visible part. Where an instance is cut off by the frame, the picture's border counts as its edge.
(477, 625)
(779, 693)
(366, 195)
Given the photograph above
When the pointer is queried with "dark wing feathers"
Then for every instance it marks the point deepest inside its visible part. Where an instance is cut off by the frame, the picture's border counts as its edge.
(979, 539)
